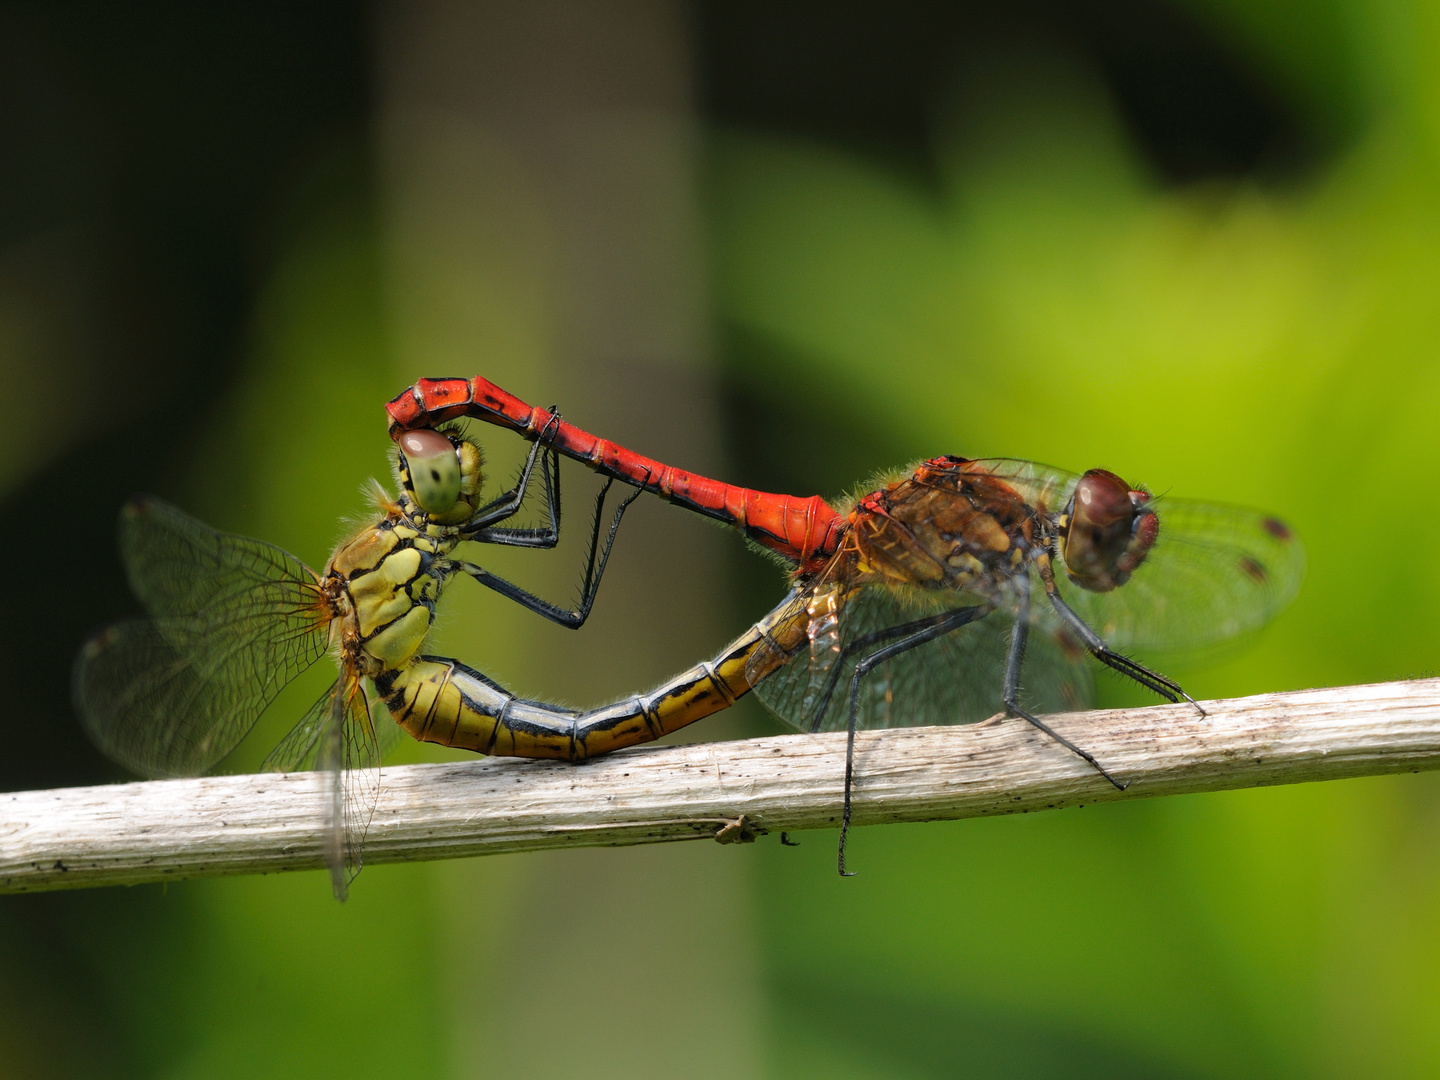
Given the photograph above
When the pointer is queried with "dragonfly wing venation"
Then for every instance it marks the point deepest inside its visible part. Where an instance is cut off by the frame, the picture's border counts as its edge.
(349, 757)
(233, 621)
(1043, 487)
(361, 780)
(297, 751)
(145, 704)
(338, 738)
(178, 565)
(388, 734)
(1215, 572)
(955, 679)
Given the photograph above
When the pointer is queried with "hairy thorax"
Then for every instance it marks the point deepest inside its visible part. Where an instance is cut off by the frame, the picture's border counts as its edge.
(384, 582)
(944, 527)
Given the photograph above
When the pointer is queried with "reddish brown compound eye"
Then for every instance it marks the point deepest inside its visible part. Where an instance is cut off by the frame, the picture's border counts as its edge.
(434, 469)
(1107, 532)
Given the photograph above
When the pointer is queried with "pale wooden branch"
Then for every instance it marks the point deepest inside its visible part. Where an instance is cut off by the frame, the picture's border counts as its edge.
(125, 834)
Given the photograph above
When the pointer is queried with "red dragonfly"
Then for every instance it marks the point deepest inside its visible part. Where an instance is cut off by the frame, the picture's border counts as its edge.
(920, 597)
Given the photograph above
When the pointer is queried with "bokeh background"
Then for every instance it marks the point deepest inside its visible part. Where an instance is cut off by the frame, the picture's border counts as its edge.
(1194, 241)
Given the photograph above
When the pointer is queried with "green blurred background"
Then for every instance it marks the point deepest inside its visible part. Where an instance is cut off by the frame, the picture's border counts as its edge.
(1191, 241)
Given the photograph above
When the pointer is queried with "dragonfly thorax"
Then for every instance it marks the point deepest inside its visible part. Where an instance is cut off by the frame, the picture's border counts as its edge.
(947, 526)
(389, 577)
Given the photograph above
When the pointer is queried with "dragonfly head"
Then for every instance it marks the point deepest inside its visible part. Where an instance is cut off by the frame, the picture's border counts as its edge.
(440, 471)
(1106, 531)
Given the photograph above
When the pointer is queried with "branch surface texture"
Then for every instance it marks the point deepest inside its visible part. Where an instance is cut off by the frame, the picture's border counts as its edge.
(126, 834)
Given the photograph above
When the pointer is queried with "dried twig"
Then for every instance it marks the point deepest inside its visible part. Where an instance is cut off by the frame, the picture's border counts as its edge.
(129, 833)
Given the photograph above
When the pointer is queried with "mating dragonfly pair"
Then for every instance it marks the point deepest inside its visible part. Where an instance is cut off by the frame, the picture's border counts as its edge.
(921, 602)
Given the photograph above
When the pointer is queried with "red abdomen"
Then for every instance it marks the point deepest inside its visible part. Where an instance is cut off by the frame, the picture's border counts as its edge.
(800, 529)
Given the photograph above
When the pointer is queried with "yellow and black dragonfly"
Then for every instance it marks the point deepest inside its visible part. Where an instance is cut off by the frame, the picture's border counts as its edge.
(231, 620)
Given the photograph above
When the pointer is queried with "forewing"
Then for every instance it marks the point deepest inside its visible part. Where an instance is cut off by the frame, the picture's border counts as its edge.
(1215, 572)
(233, 621)
(955, 679)
(220, 584)
(1043, 487)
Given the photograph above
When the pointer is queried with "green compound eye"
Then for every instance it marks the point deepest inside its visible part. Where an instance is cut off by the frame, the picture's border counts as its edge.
(434, 470)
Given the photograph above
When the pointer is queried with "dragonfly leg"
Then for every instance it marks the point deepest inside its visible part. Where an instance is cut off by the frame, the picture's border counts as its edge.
(545, 537)
(1152, 680)
(911, 635)
(860, 644)
(507, 505)
(571, 618)
(1014, 661)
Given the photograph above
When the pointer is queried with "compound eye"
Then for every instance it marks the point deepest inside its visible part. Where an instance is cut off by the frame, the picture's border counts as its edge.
(1102, 544)
(434, 468)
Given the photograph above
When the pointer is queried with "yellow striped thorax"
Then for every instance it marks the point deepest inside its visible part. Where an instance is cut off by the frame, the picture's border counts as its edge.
(383, 583)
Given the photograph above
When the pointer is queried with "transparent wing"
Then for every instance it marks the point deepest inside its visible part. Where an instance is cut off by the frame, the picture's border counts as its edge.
(153, 706)
(360, 786)
(1044, 487)
(179, 566)
(173, 694)
(297, 750)
(1215, 572)
(388, 734)
(955, 679)
(337, 737)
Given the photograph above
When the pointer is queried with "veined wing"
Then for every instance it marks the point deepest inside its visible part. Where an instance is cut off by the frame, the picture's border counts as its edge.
(955, 679)
(1214, 573)
(173, 694)
(180, 566)
(337, 737)
(1044, 487)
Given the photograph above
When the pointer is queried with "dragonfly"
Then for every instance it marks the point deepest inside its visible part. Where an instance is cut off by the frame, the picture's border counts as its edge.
(232, 620)
(955, 591)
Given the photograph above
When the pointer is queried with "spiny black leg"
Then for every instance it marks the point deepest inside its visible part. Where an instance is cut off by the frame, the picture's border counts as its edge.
(860, 644)
(521, 538)
(1014, 661)
(546, 537)
(591, 581)
(570, 618)
(1048, 730)
(917, 633)
(1151, 680)
(594, 573)
(508, 505)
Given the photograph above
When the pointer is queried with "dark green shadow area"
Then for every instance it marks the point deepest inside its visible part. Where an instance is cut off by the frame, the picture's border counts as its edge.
(919, 1036)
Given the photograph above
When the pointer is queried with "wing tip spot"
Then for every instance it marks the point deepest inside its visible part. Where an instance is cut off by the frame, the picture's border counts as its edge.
(1278, 529)
(1254, 570)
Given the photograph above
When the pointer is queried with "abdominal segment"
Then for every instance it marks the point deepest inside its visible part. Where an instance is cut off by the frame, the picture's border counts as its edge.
(443, 701)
